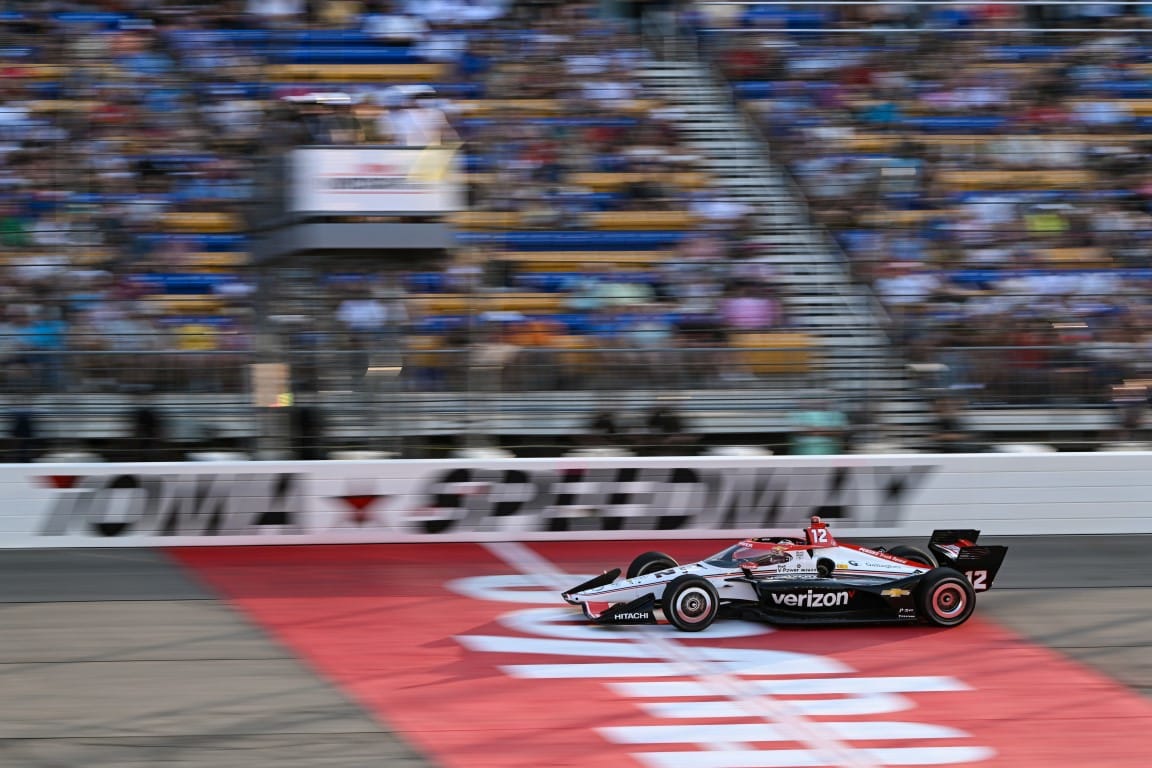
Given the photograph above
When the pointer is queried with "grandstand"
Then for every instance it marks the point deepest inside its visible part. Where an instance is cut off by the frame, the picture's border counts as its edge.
(740, 210)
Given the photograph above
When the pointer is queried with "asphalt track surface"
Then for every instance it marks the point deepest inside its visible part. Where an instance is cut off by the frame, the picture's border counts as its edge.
(119, 657)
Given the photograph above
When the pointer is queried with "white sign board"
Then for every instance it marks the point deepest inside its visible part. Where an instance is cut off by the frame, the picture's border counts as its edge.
(68, 505)
(368, 180)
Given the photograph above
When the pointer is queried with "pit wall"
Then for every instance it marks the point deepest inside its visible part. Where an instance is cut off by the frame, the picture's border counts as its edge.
(92, 505)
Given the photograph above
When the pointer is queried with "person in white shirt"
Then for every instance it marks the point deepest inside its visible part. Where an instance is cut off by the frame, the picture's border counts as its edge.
(422, 123)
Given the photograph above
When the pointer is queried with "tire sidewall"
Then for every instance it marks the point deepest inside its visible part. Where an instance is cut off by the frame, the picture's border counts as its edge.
(690, 603)
(649, 562)
(914, 554)
(946, 598)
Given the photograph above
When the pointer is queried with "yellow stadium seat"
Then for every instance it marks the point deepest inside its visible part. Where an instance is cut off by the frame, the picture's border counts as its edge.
(91, 257)
(62, 105)
(522, 107)
(424, 351)
(1046, 179)
(773, 353)
(42, 71)
(355, 73)
(573, 352)
(1078, 258)
(192, 304)
(643, 220)
(463, 304)
(211, 261)
(601, 182)
(202, 222)
(485, 219)
(442, 304)
(533, 303)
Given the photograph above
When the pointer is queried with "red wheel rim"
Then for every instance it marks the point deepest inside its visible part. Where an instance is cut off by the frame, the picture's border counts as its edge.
(949, 601)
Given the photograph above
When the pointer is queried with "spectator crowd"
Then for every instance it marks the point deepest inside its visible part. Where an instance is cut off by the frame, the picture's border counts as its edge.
(984, 168)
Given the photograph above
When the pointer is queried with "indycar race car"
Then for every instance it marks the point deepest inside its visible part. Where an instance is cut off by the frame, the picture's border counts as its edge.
(809, 580)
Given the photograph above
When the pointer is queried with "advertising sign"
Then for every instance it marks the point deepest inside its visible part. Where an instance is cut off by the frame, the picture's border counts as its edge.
(64, 505)
(374, 180)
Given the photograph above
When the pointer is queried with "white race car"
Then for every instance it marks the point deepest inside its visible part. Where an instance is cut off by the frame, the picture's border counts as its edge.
(812, 579)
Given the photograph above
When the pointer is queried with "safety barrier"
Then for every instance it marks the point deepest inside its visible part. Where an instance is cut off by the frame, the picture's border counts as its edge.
(82, 505)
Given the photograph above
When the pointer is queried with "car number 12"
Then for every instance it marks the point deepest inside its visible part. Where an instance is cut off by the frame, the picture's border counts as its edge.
(979, 580)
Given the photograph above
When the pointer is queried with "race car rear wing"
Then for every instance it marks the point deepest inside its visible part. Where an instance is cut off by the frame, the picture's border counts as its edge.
(957, 548)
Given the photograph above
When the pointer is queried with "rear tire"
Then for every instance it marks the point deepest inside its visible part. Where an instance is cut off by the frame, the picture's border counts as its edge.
(915, 554)
(649, 562)
(690, 603)
(945, 598)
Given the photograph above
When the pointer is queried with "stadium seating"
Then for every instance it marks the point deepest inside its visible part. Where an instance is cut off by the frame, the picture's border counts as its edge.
(1028, 156)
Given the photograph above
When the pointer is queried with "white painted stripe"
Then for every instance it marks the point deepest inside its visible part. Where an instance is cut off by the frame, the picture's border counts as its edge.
(580, 671)
(804, 758)
(520, 645)
(730, 660)
(755, 732)
(845, 685)
(860, 704)
(837, 685)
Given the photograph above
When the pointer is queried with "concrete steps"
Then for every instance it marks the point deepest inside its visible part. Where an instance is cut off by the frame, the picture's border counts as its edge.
(819, 293)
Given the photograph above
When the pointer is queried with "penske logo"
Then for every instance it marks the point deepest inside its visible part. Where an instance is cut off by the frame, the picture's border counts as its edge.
(814, 599)
(895, 592)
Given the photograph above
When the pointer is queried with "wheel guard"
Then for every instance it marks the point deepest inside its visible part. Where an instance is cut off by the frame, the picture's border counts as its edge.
(642, 610)
(602, 580)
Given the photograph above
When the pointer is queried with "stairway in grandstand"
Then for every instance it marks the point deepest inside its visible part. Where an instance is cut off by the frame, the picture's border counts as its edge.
(858, 362)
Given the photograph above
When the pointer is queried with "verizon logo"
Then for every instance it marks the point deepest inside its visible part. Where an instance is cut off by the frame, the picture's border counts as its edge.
(812, 599)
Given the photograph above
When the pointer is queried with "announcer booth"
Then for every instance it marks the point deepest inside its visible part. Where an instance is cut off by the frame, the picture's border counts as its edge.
(340, 227)
(371, 206)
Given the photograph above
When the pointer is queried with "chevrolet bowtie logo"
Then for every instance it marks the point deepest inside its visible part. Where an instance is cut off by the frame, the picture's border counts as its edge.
(895, 592)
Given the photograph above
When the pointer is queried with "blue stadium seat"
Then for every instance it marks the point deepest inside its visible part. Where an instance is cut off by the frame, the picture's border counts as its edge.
(976, 124)
(263, 37)
(755, 90)
(235, 90)
(344, 55)
(102, 18)
(184, 284)
(1132, 89)
(1028, 52)
(576, 241)
(208, 243)
(557, 122)
(425, 282)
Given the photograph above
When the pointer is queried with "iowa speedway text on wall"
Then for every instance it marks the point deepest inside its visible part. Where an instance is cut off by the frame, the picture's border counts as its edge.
(301, 502)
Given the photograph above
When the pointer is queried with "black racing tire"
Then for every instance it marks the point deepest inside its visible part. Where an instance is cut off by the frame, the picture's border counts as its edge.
(914, 554)
(690, 603)
(649, 562)
(945, 598)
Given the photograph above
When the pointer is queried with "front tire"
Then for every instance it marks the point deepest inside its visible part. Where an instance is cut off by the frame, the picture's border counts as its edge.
(649, 562)
(945, 598)
(690, 603)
